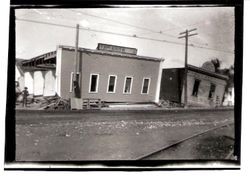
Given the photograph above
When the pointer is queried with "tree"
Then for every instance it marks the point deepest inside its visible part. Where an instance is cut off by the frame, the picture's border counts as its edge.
(217, 64)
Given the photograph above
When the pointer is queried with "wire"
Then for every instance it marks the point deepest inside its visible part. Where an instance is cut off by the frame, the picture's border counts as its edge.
(208, 48)
(197, 23)
(119, 34)
(123, 23)
(100, 31)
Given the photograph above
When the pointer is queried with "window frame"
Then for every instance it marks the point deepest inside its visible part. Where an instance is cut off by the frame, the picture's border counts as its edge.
(212, 84)
(197, 88)
(71, 81)
(149, 80)
(114, 84)
(90, 82)
(125, 79)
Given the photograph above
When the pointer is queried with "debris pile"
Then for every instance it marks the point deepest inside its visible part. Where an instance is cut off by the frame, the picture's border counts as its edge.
(53, 103)
(169, 104)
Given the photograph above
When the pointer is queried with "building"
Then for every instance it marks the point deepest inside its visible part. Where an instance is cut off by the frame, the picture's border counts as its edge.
(229, 97)
(39, 74)
(19, 74)
(110, 73)
(205, 88)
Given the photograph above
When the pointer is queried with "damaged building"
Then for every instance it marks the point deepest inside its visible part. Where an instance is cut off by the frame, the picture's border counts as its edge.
(205, 88)
(38, 74)
(109, 72)
(117, 74)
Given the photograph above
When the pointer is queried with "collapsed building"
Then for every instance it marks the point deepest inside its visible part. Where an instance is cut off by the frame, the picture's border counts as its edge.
(38, 74)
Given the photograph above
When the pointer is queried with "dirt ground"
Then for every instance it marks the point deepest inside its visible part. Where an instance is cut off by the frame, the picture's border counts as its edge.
(214, 144)
(108, 135)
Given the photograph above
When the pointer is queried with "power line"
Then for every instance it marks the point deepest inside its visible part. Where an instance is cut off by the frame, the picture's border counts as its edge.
(119, 34)
(208, 48)
(188, 25)
(100, 31)
(123, 23)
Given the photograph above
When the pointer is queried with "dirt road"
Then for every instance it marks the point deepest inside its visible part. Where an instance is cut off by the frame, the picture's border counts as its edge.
(107, 135)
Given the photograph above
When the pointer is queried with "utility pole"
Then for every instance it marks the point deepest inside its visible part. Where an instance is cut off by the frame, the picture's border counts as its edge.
(185, 35)
(76, 101)
(76, 74)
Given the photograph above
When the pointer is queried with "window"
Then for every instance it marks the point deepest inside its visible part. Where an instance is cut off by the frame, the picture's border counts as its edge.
(72, 81)
(211, 91)
(93, 85)
(145, 86)
(128, 85)
(111, 84)
(196, 87)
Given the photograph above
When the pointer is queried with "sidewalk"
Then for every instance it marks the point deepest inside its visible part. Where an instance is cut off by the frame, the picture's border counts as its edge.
(123, 107)
(155, 108)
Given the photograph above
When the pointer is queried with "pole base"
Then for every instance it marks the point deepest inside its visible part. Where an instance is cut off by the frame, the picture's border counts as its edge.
(76, 103)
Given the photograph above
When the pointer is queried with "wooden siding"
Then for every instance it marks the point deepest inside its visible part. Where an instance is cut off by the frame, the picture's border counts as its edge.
(38, 83)
(29, 82)
(202, 98)
(49, 83)
(106, 65)
(171, 84)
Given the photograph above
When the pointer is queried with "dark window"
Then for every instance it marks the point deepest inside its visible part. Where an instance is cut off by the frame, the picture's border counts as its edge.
(196, 87)
(111, 84)
(71, 81)
(145, 86)
(93, 83)
(74, 84)
(211, 91)
(128, 85)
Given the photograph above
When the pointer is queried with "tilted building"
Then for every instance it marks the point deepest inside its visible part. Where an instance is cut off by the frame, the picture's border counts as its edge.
(110, 73)
(204, 87)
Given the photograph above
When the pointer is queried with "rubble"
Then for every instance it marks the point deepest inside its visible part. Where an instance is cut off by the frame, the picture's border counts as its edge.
(53, 103)
(169, 104)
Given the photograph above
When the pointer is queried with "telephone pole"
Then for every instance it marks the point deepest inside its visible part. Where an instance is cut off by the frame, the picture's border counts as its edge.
(186, 34)
(76, 74)
(76, 101)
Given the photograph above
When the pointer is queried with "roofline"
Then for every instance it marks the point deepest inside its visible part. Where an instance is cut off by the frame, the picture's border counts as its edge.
(44, 55)
(71, 48)
(203, 71)
(206, 72)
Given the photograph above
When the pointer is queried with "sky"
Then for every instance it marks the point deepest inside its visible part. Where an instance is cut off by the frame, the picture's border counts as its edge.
(215, 28)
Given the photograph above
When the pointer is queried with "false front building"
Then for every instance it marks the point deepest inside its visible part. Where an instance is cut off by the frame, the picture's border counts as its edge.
(110, 73)
(204, 87)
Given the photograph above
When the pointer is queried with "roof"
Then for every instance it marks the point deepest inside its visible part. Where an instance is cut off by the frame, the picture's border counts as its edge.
(41, 62)
(207, 72)
(102, 52)
(19, 66)
(203, 71)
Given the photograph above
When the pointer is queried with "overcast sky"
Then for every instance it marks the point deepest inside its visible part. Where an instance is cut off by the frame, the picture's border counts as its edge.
(215, 28)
